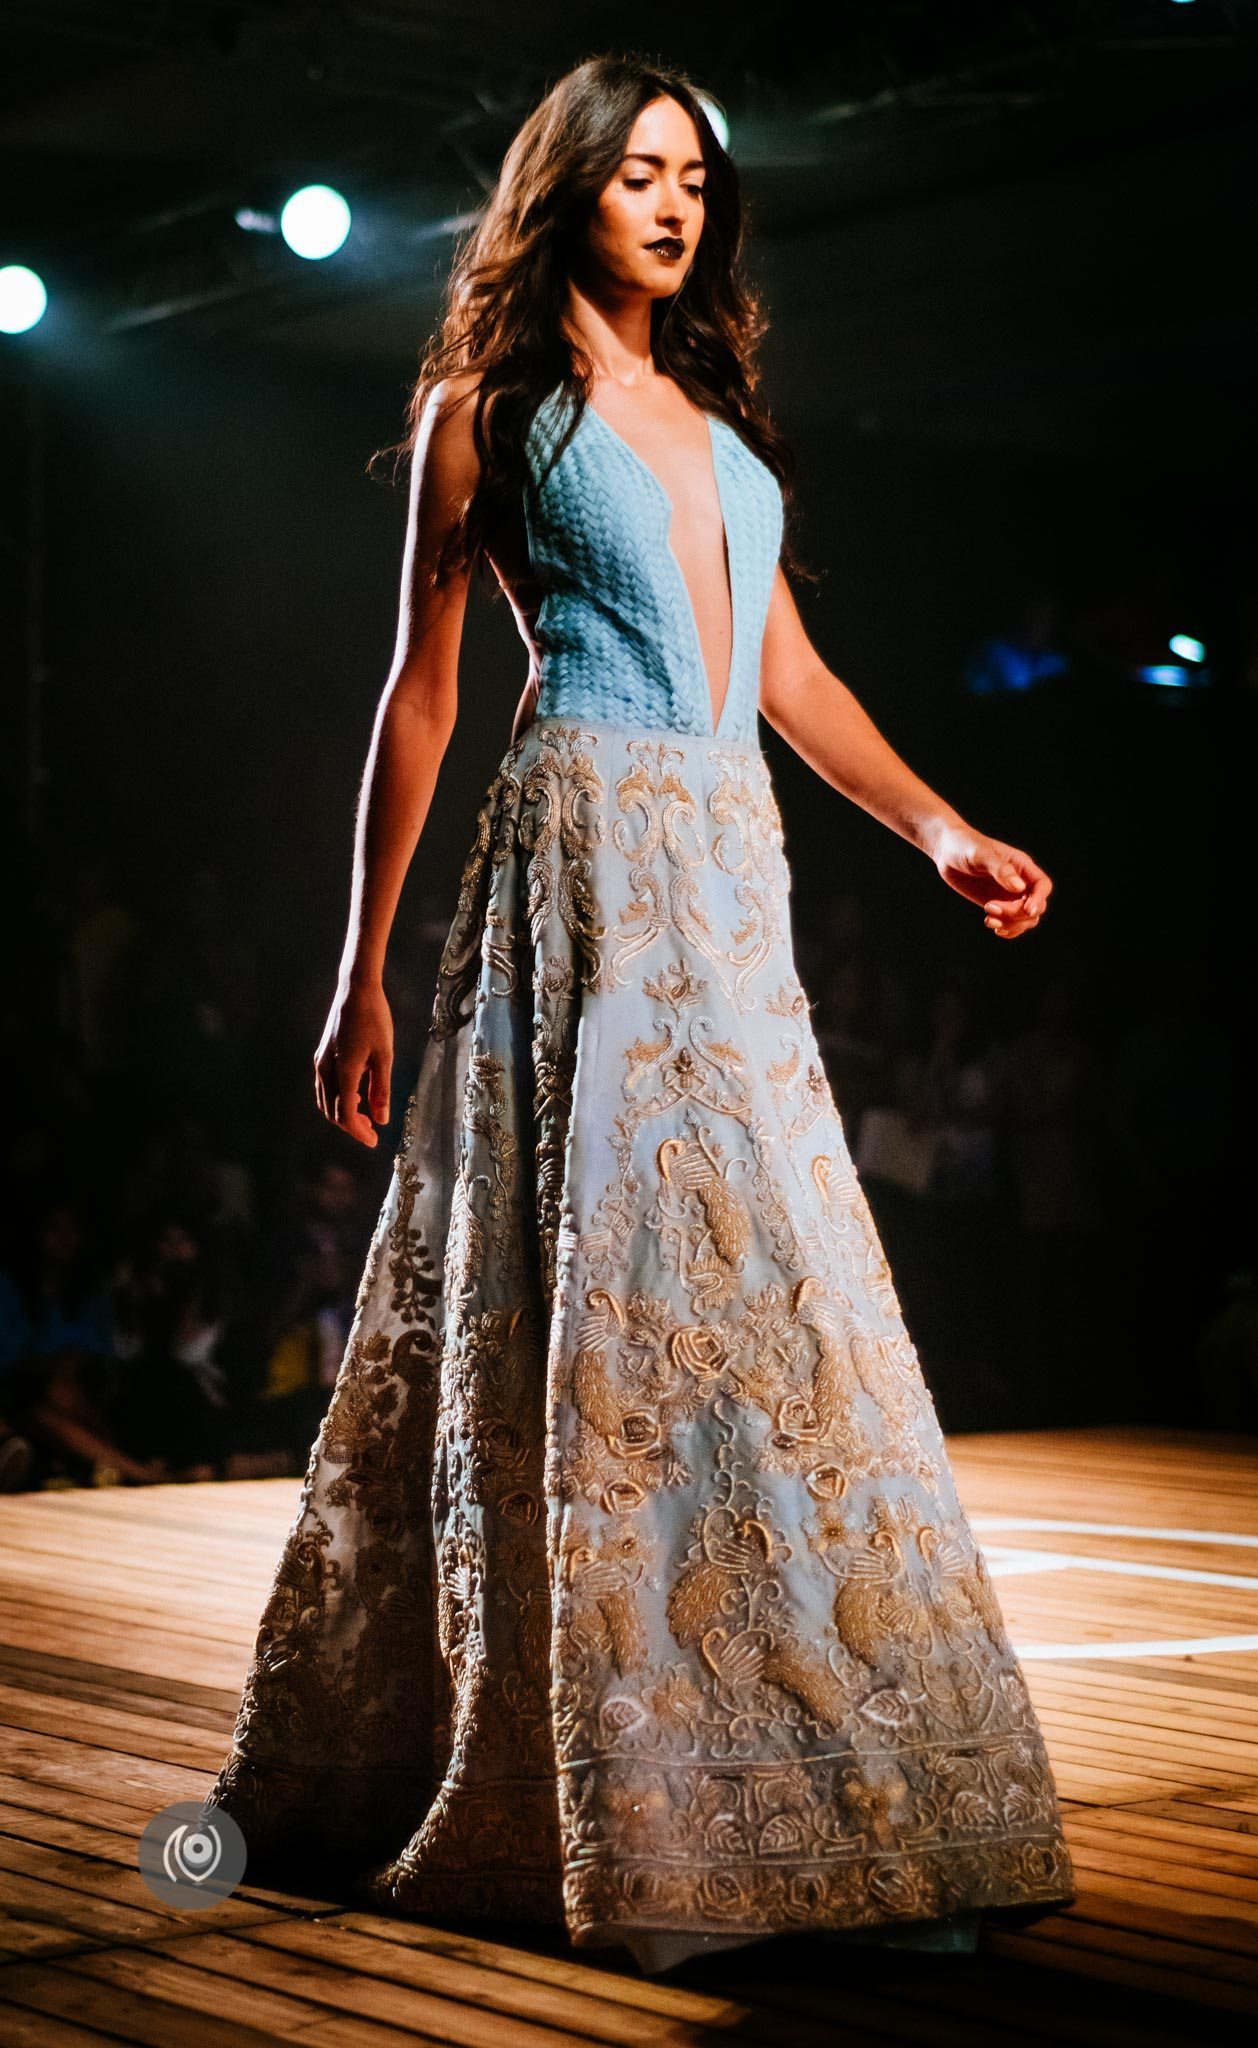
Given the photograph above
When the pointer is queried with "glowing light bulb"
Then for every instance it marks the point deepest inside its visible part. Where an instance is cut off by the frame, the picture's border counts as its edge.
(314, 222)
(23, 298)
(716, 119)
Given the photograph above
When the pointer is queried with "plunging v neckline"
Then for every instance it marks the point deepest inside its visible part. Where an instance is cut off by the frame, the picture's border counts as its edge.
(715, 720)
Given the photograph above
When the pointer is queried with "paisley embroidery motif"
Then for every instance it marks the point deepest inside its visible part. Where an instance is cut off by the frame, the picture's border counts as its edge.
(629, 1587)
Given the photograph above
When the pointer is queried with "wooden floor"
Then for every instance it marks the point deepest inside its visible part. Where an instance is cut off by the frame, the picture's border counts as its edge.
(1127, 1563)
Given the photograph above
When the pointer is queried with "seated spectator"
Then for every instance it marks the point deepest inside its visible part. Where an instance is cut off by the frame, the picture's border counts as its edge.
(56, 1356)
(171, 1399)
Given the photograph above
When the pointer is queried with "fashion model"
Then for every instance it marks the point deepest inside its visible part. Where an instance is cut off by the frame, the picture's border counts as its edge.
(629, 1589)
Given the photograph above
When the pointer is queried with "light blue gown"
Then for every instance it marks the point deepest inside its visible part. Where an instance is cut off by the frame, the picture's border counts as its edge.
(629, 1590)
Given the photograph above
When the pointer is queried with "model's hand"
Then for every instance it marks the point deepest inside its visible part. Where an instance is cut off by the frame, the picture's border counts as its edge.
(357, 1044)
(1012, 888)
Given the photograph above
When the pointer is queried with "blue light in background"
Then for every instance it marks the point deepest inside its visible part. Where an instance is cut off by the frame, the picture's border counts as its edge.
(1168, 676)
(999, 667)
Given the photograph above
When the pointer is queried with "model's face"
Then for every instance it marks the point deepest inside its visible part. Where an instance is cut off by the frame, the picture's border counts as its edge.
(655, 196)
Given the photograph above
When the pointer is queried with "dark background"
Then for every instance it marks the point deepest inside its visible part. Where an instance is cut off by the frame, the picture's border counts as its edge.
(1012, 341)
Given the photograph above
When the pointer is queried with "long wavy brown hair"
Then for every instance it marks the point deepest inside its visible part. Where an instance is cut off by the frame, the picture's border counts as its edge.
(508, 289)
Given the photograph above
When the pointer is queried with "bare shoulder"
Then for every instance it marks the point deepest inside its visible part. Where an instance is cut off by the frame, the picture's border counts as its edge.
(445, 446)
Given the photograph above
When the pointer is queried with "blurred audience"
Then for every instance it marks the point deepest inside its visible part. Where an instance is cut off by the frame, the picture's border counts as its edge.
(182, 1238)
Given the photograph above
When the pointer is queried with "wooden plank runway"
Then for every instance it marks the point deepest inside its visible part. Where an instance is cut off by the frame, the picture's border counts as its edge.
(1127, 1565)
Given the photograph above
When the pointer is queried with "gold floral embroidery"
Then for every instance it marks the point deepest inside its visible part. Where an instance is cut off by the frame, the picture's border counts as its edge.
(629, 1586)
(561, 827)
(737, 832)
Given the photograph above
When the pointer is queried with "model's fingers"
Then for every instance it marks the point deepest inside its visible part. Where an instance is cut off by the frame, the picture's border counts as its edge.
(355, 1125)
(1037, 884)
(349, 1116)
(1005, 865)
(1004, 870)
(344, 1095)
(1037, 901)
(380, 1075)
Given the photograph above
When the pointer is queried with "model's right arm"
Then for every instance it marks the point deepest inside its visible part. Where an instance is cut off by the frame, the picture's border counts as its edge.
(413, 724)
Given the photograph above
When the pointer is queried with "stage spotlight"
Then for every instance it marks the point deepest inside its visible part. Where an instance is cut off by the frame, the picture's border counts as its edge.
(1186, 647)
(22, 298)
(1170, 676)
(717, 120)
(314, 222)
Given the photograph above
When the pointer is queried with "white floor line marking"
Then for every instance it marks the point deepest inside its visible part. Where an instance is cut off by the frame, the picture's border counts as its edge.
(1184, 1646)
(1009, 1560)
(1012, 1562)
(1112, 1529)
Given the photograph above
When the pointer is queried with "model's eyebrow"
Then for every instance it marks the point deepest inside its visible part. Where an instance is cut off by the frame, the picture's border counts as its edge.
(695, 163)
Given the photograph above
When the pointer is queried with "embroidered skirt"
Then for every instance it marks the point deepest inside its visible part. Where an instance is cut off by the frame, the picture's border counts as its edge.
(629, 1589)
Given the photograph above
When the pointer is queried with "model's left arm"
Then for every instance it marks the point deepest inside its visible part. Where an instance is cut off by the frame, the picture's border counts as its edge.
(819, 717)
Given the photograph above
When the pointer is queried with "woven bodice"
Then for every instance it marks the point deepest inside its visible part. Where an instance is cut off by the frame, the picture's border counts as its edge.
(616, 629)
